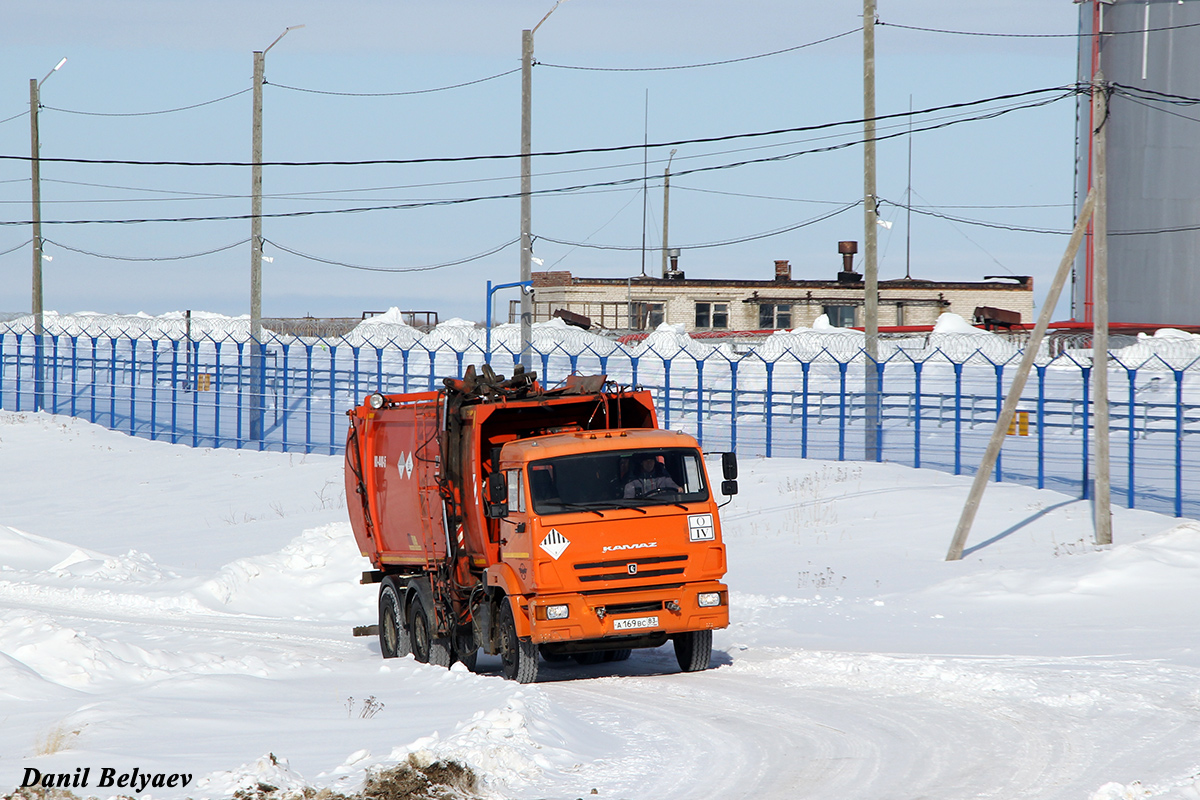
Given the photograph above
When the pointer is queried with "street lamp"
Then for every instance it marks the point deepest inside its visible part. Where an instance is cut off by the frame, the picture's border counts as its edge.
(527, 183)
(526, 294)
(36, 180)
(257, 357)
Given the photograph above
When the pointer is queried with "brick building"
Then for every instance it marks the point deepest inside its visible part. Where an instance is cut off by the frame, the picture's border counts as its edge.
(643, 302)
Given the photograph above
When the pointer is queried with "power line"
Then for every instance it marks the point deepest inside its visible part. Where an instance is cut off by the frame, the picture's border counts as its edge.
(393, 94)
(1071, 90)
(1033, 35)
(144, 258)
(14, 116)
(143, 113)
(428, 268)
(706, 64)
(15, 249)
(556, 190)
(721, 243)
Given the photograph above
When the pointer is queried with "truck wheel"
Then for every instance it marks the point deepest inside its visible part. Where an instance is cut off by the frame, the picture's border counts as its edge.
(693, 650)
(393, 635)
(520, 658)
(587, 659)
(618, 655)
(426, 648)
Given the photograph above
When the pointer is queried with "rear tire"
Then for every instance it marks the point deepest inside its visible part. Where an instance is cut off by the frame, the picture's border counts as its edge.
(425, 647)
(618, 655)
(393, 634)
(693, 650)
(519, 656)
(587, 659)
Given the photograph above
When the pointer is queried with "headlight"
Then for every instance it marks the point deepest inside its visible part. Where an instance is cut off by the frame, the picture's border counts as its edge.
(375, 401)
(557, 612)
(708, 599)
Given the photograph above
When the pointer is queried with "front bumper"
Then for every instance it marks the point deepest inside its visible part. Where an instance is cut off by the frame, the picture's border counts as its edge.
(639, 614)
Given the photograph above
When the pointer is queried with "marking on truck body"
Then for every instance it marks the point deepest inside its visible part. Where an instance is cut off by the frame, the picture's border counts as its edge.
(639, 546)
(408, 467)
(700, 528)
(632, 569)
(554, 543)
(381, 462)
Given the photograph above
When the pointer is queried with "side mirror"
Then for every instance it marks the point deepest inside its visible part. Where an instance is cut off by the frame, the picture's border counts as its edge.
(729, 488)
(497, 500)
(729, 467)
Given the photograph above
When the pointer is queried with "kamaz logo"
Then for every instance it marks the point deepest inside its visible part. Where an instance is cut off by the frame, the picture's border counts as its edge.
(640, 546)
(632, 569)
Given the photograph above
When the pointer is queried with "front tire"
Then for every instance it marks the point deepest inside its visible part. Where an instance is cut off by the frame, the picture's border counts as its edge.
(693, 650)
(519, 656)
(425, 647)
(393, 634)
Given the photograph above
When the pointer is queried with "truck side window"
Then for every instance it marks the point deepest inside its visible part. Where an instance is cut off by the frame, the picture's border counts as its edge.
(516, 491)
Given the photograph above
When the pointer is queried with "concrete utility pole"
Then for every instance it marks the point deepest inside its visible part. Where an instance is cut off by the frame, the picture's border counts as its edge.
(1018, 385)
(527, 186)
(1102, 512)
(39, 388)
(257, 378)
(666, 208)
(526, 193)
(870, 248)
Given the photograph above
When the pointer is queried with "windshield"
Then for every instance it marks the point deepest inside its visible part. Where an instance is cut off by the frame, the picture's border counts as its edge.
(622, 479)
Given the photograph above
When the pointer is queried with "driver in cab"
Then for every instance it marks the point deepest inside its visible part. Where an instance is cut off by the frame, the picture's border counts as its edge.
(647, 477)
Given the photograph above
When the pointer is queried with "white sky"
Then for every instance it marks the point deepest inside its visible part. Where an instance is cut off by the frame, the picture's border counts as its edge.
(145, 56)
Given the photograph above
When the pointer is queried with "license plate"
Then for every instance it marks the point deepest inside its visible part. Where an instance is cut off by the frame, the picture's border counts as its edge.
(635, 622)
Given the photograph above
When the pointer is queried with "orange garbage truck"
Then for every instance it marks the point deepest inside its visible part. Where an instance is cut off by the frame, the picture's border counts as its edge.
(535, 524)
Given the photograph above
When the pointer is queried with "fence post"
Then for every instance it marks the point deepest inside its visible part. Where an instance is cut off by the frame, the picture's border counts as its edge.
(287, 404)
(54, 373)
(241, 364)
(958, 370)
(1041, 427)
(999, 405)
(667, 394)
(174, 388)
(1086, 373)
(733, 397)
(216, 390)
(308, 388)
(404, 375)
(74, 373)
(192, 382)
(1132, 374)
(633, 368)
(378, 372)
(878, 411)
(918, 366)
(153, 389)
(432, 369)
(354, 395)
(842, 410)
(1178, 442)
(805, 366)
(332, 398)
(700, 401)
(112, 382)
(769, 400)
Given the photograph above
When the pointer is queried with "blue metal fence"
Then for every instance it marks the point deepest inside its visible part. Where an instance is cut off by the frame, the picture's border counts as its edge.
(936, 406)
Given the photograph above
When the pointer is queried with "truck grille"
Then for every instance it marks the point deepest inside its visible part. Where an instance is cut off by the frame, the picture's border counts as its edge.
(626, 575)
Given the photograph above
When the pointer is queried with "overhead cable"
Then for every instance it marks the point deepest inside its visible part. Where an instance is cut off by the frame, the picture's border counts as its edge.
(15, 249)
(705, 64)
(555, 190)
(1034, 35)
(575, 151)
(144, 258)
(143, 113)
(393, 94)
(721, 243)
(14, 116)
(365, 268)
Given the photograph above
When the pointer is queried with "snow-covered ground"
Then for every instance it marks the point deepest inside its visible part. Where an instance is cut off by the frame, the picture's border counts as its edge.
(188, 611)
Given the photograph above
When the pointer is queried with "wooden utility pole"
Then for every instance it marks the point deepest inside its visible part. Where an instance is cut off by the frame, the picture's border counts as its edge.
(870, 248)
(666, 210)
(1101, 511)
(1018, 385)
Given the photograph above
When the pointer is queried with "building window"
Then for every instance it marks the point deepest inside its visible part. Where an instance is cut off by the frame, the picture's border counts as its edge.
(840, 316)
(776, 316)
(645, 315)
(712, 315)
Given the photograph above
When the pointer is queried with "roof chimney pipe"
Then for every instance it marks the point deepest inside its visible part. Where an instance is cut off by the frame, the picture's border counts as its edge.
(847, 251)
(783, 271)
